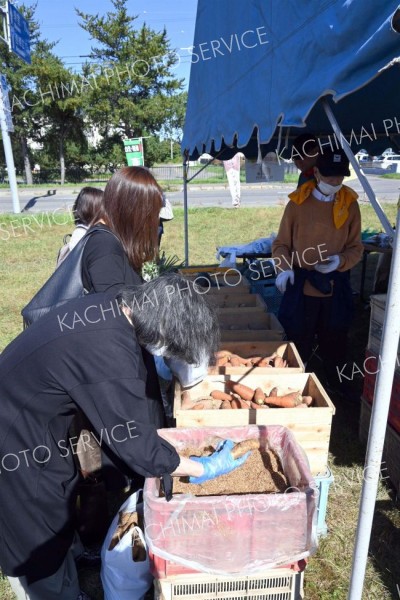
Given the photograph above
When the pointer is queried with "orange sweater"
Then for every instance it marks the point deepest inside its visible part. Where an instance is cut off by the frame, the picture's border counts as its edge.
(307, 235)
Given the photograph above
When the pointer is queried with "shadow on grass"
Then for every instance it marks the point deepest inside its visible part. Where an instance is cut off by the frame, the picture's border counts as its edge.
(385, 544)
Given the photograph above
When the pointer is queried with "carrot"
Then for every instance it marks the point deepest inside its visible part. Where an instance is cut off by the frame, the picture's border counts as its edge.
(243, 404)
(235, 362)
(273, 392)
(235, 403)
(255, 359)
(198, 406)
(259, 396)
(218, 395)
(265, 362)
(245, 392)
(223, 354)
(221, 362)
(278, 362)
(288, 401)
(308, 400)
(241, 448)
(257, 406)
(226, 404)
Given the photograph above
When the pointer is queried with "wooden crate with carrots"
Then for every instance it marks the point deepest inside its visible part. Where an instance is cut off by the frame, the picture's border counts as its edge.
(311, 424)
(257, 357)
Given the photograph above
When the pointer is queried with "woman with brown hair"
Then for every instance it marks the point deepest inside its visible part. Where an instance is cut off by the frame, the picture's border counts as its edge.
(130, 210)
(112, 260)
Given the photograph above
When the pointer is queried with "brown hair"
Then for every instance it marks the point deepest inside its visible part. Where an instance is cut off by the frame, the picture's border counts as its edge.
(87, 205)
(131, 207)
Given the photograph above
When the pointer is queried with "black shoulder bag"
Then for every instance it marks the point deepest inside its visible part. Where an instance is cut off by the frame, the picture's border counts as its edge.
(63, 285)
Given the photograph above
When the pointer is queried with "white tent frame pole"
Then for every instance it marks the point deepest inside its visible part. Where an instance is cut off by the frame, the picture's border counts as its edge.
(380, 410)
(363, 180)
(185, 207)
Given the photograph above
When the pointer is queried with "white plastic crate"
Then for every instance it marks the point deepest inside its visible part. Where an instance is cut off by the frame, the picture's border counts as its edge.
(275, 584)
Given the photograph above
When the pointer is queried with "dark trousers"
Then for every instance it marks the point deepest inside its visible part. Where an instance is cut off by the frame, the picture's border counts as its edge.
(332, 342)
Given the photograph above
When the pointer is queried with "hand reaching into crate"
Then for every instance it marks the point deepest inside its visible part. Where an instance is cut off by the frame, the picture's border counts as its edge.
(219, 463)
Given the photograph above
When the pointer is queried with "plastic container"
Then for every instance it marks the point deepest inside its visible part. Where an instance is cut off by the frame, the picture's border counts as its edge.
(323, 484)
(235, 534)
(276, 584)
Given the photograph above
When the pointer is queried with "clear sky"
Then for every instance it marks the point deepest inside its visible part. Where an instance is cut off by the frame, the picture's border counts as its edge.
(59, 22)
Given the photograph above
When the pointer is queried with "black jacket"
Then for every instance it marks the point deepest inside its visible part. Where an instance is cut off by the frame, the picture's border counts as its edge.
(83, 355)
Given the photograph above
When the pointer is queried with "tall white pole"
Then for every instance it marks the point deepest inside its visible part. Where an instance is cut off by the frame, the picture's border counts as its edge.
(380, 411)
(8, 153)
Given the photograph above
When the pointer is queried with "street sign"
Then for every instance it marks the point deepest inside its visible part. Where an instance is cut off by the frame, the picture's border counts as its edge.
(5, 88)
(134, 152)
(19, 34)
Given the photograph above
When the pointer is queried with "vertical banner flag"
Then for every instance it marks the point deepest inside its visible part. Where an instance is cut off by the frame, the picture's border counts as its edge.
(232, 169)
(134, 152)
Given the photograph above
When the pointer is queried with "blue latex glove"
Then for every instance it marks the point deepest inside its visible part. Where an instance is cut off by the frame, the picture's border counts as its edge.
(219, 463)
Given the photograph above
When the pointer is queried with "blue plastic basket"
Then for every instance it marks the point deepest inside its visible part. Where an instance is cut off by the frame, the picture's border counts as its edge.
(269, 292)
(323, 483)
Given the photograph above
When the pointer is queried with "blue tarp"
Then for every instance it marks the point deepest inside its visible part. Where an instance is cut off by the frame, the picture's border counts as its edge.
(260, 63)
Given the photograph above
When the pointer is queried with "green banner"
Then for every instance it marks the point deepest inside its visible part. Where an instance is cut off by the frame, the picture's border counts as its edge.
(134, 152)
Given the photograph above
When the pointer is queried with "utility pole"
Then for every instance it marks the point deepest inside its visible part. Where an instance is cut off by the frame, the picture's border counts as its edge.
(16, 36)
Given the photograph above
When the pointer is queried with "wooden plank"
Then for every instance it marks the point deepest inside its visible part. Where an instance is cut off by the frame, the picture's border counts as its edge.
(262, 335)
(239, 300)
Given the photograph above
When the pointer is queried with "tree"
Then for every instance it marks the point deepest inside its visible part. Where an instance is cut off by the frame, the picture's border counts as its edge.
(20, 78)
(133, 90)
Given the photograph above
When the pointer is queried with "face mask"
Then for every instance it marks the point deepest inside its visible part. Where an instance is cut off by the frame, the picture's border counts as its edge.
(156, 351)
(327, 189)
(187, 374)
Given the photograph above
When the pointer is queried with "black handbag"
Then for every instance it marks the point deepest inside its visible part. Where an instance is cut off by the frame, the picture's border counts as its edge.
(63, 285)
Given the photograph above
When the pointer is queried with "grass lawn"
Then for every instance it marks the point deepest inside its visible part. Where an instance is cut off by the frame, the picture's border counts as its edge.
(28, 258)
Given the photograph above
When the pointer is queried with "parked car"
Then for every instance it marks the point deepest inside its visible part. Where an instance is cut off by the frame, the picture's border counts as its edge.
(391, 163)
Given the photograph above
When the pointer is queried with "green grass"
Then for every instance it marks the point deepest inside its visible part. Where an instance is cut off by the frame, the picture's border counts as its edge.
(28, 258)
(391, 176)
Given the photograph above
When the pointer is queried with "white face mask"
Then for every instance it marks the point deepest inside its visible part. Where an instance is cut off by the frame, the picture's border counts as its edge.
(327, 189)
(156, 350)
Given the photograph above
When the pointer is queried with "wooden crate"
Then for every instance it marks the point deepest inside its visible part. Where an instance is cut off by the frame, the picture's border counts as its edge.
(391, 449)
(262, 328)
(237, 301)
(287, 351)
(311, 427)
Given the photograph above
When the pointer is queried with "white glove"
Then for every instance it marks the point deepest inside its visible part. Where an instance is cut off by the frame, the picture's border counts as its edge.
(283, 278)
(330, 264)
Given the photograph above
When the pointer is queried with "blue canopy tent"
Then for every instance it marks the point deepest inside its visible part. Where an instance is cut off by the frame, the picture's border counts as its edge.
(262, 72)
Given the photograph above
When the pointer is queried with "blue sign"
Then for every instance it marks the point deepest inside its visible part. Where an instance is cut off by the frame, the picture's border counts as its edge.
(19, 34)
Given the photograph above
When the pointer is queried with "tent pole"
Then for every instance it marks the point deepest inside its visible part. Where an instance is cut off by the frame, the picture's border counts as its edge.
(185, 206)
(363, 180)
(380, 409)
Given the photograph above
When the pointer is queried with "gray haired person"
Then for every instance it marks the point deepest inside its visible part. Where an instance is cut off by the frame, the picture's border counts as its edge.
(87, 355)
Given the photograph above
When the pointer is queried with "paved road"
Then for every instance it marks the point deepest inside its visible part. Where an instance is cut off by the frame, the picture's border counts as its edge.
(31, 201)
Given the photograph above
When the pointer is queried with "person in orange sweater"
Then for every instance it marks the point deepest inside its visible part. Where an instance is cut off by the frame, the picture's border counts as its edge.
(318, 242)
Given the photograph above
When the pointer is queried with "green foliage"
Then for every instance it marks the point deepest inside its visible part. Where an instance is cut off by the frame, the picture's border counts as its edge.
(133, 91)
